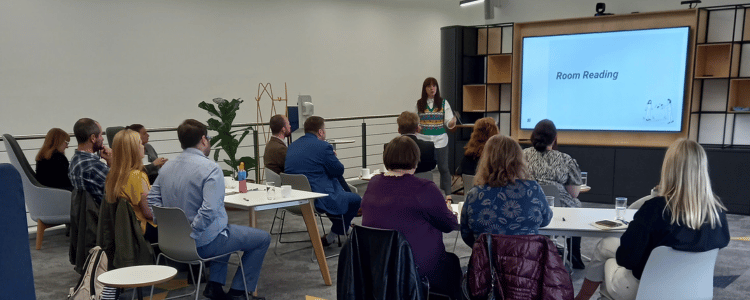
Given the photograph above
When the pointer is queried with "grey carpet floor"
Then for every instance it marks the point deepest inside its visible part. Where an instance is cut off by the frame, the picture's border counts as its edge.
(294, 275)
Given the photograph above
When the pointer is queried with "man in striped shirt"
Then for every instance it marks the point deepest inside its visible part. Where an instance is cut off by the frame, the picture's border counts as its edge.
(87, 171)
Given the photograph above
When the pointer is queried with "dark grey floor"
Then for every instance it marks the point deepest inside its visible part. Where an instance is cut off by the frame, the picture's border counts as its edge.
(294, 275)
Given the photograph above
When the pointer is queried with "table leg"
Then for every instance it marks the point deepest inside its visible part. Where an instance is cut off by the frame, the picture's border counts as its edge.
(140, 293)
(251, 213)
(312, 230)
(253, 224)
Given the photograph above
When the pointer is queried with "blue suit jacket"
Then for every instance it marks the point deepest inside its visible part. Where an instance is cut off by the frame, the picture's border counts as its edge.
(315, 159)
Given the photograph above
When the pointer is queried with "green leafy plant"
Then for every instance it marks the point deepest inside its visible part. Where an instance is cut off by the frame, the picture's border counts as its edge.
(225, 137)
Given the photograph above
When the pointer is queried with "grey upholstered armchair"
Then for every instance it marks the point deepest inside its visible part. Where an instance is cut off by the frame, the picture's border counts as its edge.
(47, 206)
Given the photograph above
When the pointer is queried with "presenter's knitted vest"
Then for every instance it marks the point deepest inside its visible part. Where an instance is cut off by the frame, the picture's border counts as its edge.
(432, 121)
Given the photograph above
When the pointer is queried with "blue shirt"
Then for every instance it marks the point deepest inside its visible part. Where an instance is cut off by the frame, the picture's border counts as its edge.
(87, 172)
(195, 184)
(515, 209)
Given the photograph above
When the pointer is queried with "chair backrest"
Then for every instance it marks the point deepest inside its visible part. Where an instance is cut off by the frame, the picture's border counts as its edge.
(424, 175)
(673, 274)
(174, 234)
(15, 256)
(110, 132)
(271, 176)
(468, 182)
(551, 190)
(378, 264)
(297, 181)
(18, 160)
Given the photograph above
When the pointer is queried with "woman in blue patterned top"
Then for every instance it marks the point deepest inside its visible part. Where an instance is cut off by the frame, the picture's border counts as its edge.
(504, 199)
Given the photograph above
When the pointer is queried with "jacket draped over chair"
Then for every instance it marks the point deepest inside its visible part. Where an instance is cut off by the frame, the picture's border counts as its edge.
(84, 219)
(121, 237)
(378, 264)
(526, 266)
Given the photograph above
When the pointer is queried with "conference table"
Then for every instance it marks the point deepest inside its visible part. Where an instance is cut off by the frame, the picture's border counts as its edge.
(255, 200)
(576, 221)
(572, 221)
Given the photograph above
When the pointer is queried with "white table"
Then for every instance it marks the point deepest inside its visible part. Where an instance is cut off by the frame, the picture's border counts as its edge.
(339, 141)
(569, 221)
(137, 277)
(255, 200)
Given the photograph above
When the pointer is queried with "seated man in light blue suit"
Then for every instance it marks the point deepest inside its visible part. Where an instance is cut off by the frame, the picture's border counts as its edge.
(311, 156)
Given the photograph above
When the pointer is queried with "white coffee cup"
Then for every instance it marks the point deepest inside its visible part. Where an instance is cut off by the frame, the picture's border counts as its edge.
(364, 173)
(286, 191)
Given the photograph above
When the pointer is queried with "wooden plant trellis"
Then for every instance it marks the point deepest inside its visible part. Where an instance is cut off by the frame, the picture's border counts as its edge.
(266, 89)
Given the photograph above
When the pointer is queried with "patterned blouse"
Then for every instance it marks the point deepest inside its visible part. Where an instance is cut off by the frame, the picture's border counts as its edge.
(514, 209)
(555, 168)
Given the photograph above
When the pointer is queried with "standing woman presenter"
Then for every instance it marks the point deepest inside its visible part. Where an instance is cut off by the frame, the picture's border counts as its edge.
(435, 114)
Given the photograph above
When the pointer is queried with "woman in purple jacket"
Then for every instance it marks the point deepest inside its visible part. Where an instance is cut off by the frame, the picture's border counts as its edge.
(415, 207)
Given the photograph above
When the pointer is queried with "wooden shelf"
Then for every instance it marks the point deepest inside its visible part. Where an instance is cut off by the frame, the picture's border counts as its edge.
(476, 98)
(499, 68)
(717, 61)
(739, 94)
(489, 40)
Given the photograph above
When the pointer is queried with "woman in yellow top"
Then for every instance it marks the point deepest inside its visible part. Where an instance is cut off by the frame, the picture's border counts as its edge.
(126, 179)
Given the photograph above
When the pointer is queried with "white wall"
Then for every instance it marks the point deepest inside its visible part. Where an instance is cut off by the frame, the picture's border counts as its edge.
(153, 61)
(538, 10)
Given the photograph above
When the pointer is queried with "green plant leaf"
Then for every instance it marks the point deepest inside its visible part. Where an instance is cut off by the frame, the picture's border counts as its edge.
(249, 162)
(227, 172)
(216, 154)
(242, 137)
(233, 165)
(209, 108)
(214, 125)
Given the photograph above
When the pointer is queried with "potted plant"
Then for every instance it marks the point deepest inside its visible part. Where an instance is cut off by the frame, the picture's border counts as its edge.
(226, 137)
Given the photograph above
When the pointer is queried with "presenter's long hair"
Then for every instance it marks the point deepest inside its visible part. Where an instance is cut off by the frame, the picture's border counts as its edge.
(502, 163)
(484, 129)
(422, 102)
(55, 137)
(687, 188)
(127, 157)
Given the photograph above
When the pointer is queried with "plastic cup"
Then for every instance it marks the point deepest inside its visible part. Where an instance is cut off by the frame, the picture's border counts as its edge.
(550, 200)
(584, 178)
(270, 190)
(621, 204)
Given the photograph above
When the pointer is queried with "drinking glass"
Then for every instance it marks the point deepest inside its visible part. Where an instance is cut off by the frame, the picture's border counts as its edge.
(550, 200)
(270, 190)
(584, 178)
(621, 203)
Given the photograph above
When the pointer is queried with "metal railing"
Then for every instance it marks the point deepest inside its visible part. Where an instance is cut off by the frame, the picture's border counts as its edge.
(369, 132)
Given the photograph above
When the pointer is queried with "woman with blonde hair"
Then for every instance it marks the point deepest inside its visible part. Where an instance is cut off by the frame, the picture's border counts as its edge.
(484, 128)
(51, 162)
(504, 199)
(126, 179)
(687, 216)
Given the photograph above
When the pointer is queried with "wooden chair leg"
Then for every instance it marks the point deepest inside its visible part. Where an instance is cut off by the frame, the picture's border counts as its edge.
(40, 228)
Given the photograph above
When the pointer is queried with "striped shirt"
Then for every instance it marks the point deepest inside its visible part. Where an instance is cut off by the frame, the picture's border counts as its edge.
(87, 172)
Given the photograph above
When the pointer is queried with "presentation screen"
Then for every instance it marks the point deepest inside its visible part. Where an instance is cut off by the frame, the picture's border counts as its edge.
(613, 81)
